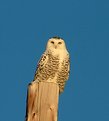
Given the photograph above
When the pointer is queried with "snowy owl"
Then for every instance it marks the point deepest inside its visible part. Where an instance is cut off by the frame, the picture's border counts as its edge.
(54, 64)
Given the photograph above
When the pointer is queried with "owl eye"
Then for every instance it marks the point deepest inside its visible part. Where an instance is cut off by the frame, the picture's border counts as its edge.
(52, 42)
(59, 42)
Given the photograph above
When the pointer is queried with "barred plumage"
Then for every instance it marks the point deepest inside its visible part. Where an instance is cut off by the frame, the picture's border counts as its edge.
(54, 64)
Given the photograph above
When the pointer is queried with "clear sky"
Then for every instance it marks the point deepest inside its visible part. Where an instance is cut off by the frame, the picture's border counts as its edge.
(25, 27)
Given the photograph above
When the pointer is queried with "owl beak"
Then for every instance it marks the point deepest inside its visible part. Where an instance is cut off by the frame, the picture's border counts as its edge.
(55, 47)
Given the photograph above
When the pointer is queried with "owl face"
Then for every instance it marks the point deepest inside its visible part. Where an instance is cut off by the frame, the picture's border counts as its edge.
(56, 44)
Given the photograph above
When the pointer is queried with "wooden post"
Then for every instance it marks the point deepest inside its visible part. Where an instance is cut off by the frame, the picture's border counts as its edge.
(42, 101)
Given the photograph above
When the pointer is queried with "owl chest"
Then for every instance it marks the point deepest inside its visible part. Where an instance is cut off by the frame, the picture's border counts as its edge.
(52, 68)
(55, 67)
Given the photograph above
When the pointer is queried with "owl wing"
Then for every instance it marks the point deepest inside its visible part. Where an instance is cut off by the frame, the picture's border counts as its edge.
(64, 74)
(68, 61)
(67, 65)
(43, 60)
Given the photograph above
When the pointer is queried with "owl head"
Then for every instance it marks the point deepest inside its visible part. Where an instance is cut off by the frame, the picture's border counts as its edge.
(56, 43)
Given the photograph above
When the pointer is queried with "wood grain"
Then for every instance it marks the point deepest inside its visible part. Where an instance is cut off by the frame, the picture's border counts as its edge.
(42, 101)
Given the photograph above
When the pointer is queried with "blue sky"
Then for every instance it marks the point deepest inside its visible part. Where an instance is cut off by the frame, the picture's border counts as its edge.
(25, 27)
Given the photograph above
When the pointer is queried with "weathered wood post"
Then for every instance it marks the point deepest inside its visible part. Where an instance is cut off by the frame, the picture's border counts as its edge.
(42, 101)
